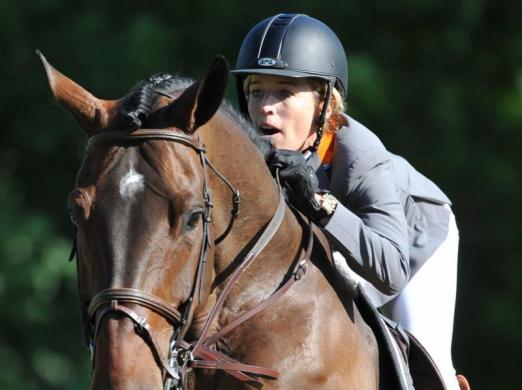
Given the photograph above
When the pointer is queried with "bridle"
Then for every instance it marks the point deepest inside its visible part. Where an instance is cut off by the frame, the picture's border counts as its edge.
(184, 356)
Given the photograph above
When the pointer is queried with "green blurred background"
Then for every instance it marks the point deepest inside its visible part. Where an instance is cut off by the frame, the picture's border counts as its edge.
(439, 81)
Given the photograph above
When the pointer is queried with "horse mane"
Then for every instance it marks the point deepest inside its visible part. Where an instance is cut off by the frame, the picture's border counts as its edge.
(264, 145)
(139, 104)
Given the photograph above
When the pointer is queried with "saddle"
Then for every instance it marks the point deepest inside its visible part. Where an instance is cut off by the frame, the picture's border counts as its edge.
(404, 362)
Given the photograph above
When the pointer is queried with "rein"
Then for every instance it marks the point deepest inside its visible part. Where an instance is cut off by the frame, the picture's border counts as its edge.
(184, 356)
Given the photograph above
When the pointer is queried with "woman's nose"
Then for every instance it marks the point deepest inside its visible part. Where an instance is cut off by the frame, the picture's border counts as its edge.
(268, 104)
(267, 109)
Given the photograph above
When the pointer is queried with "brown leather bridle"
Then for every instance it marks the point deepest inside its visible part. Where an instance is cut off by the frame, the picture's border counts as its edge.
(184, 356)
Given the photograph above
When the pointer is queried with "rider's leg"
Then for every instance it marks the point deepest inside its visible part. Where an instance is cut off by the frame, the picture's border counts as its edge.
(425, 307)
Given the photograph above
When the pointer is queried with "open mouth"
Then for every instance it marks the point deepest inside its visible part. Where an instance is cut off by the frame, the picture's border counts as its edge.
(268, 130)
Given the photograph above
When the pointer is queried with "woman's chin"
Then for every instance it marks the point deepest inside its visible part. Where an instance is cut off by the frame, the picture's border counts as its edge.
(275, 139)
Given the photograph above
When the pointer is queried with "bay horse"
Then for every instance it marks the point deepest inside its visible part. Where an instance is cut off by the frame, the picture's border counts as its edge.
(180, 286)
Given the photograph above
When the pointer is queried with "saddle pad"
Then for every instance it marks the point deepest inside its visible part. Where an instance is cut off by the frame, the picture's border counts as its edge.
(424, 372)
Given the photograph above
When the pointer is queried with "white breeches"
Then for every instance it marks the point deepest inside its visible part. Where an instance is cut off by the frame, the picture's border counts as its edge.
(426, 306)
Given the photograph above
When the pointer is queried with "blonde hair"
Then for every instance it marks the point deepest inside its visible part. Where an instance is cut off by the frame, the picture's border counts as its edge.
(336, 119)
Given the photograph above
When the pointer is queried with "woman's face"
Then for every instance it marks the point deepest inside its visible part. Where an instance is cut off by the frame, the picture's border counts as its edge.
(283, 109)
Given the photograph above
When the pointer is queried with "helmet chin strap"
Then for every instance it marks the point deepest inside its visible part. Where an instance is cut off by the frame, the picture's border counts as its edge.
(322, 117)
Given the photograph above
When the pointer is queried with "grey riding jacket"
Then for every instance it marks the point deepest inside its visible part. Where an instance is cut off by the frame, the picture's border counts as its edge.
(390, 218)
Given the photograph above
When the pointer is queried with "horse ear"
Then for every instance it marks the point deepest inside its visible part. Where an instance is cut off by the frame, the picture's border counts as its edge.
(92, 114)
(199, 102)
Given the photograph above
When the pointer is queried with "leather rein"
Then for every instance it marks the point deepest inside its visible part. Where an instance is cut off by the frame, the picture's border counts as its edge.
(184, 356)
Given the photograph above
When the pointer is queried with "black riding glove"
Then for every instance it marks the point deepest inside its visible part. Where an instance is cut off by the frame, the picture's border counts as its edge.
(298, 180)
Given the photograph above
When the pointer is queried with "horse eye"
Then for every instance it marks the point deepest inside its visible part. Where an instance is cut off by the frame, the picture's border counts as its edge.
(193, 219)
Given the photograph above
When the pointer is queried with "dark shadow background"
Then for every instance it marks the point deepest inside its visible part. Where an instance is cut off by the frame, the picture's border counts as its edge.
(439, 81)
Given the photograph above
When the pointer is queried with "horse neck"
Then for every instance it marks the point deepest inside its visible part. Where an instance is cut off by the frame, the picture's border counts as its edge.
(246, 169)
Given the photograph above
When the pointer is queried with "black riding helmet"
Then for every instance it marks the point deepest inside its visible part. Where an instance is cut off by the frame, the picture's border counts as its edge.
(293, 45)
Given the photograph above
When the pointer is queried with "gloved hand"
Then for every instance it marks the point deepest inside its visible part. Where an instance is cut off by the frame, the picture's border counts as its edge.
(298, 180)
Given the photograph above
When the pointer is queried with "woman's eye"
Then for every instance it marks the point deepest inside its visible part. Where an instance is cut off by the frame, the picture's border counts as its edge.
(256, 93)
(285, 93)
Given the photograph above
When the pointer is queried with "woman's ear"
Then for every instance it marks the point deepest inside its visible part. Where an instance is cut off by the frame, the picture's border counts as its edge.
(329, 110)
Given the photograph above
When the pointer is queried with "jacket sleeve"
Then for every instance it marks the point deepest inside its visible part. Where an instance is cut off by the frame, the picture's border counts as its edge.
(369, 226)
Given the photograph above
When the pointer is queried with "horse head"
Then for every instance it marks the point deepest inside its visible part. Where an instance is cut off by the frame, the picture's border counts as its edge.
(141, 209)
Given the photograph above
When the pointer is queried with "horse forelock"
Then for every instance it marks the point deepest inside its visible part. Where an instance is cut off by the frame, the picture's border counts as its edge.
(142, 101)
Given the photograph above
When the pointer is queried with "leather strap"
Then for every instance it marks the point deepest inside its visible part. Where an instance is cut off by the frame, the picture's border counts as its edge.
(131, 295)
(144, 135)
(261, 243)
(219, 361)
(213, 359)
(297, 273)
(209, 355)
(142, 328)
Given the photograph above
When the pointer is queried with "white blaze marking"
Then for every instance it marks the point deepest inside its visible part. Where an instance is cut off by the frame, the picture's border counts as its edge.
(131, 183)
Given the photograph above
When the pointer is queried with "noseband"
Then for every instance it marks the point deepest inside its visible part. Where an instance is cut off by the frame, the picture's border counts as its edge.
(184, 356)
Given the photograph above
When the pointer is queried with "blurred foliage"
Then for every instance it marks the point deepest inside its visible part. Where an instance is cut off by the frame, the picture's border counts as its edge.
(440, 82)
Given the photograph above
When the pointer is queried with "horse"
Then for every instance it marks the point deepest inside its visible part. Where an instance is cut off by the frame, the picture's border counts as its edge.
(193, 272)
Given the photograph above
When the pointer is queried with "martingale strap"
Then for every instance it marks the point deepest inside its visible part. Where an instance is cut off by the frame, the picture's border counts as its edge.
(216, 360)
(261, 243)
(209, 358)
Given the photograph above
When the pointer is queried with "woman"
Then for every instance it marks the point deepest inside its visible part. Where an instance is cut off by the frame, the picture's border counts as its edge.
(393, 226)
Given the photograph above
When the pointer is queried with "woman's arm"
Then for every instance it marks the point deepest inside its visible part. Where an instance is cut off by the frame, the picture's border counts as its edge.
(369, 226)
